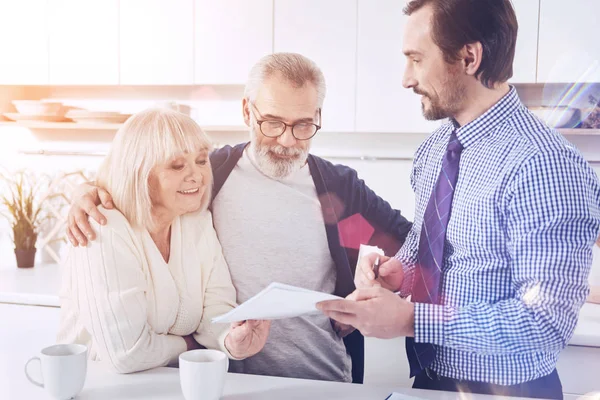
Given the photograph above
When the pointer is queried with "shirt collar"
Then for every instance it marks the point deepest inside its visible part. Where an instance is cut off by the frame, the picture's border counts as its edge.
(486, 123)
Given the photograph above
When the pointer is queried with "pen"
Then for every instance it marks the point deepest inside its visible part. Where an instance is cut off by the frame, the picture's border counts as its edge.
(376, 268)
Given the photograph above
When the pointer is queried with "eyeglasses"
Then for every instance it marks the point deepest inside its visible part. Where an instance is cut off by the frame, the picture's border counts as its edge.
(275, 128)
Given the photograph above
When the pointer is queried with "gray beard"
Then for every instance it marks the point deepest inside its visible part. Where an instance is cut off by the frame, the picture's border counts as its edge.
(273, 167)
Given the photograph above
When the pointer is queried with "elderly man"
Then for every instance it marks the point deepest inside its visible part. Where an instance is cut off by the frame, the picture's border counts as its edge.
(282, 214)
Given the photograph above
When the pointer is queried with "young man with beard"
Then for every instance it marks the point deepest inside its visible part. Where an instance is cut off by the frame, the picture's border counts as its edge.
(507, 212)
(282, 214)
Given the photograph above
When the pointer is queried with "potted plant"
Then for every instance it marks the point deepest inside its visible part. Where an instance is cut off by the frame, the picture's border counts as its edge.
(21, 203)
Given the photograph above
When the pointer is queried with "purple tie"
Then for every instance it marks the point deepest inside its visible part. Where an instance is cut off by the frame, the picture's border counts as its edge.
(430, 257)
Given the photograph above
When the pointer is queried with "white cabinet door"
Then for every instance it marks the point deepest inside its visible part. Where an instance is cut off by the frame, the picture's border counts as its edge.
(24, 42)
(84, 42)
(569, 49)
(231, 36)
(157, 42)
(578, 370)
(382, 104)
(324, 31)
(525, 64)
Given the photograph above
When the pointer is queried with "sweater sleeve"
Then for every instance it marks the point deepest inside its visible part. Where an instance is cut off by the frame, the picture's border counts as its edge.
(110, 290)
(219, 298)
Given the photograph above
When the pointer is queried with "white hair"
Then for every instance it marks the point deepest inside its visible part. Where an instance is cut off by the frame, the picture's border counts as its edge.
(148, 138)
(295, 68)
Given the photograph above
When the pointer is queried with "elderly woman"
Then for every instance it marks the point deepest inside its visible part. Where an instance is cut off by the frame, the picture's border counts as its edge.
(145, 291)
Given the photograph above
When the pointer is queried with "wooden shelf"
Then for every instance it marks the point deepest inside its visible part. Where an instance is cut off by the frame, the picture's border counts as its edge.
(584, 132)
(104, 127)
(208, 128)
(62, 125)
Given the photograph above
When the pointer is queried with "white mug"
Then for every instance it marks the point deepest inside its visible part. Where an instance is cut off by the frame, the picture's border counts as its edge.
(64, 367)
(202, 374)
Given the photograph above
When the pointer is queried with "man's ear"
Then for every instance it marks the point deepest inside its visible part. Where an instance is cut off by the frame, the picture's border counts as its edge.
(246, 111)
(471, 56)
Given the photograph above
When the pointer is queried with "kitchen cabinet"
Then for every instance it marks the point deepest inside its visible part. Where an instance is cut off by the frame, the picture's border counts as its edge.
(569, 49)
(324, 31)
(24, 42)
(525, 63)
(83, 42)
(382, 104)
(230, 37)
(156, 42)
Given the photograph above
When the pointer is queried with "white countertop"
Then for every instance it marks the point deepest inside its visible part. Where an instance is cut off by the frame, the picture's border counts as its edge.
(163, 383)
(40, 285)
(34, 286)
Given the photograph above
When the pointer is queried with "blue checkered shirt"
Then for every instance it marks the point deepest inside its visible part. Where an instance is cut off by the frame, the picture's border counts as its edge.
(518, 252)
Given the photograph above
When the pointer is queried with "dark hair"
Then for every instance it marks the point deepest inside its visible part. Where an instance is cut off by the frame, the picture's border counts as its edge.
(493, 23)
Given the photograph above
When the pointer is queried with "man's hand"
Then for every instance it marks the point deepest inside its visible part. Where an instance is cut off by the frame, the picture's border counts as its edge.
(374, 311)
(86, 198)
(390, 277)
(247, 338)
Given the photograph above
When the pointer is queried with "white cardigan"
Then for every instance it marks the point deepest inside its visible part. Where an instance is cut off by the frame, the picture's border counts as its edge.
(130, 307)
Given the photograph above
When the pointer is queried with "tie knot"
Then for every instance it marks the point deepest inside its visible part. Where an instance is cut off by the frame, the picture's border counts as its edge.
(454, 145)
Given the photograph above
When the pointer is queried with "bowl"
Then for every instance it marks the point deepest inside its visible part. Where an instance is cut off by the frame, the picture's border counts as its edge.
(38, 107)
(558, 116)
(101, 117)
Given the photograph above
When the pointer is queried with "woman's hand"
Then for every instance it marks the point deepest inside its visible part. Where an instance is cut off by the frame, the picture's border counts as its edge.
(594, 296)
(247, 338)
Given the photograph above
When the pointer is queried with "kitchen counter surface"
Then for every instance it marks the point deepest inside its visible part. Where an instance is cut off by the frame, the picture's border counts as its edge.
(37, 286)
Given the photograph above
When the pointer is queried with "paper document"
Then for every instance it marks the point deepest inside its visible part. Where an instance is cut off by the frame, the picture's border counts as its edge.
(277, 301)
(365, 249)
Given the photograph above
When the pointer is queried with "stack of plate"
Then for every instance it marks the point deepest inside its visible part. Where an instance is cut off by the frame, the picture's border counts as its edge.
(37, 110)
(98, 117)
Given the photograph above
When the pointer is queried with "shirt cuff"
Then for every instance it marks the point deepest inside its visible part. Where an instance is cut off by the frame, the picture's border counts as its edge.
(221, 341)
(405, 289)
(430, 322)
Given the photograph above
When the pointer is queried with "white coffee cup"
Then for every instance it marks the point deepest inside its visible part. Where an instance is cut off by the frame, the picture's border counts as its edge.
(64, 367)
(202, 374)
